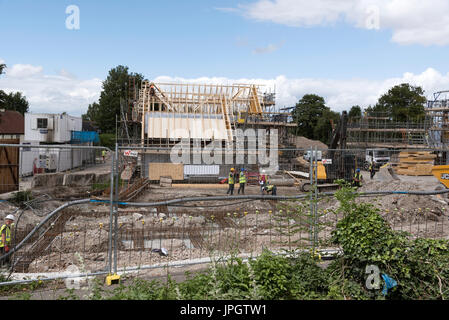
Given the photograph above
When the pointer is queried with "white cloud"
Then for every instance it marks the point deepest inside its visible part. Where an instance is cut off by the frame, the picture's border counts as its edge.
(23, 71)
(339, 94)
(64, 92)
(411, 21)
(51, 93)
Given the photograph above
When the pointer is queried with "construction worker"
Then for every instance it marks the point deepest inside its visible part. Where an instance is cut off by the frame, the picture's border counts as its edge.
(372, 170)
(242, 181)
(262, 181)
(231, 182)
(103, 155)
(358, 178)
(5, 238)
(270, 188)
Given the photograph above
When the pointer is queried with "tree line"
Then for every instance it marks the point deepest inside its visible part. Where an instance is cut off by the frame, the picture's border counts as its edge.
(14, 100)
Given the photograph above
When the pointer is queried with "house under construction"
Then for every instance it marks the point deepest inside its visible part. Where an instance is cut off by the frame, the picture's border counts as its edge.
(380, 131)
(198, 113)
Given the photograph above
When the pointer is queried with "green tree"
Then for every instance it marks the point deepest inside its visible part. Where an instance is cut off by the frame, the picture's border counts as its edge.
(323, 128)
(92, 112)
(2, 67)
(402, 103)
(314, 118)
(108, 107)
(14, 101)
(355, 112)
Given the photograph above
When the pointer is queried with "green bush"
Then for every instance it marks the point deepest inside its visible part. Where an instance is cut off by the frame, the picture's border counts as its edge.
(420, 267)
(20, 197)
(272, 275)
(308, 280)
(107, 140)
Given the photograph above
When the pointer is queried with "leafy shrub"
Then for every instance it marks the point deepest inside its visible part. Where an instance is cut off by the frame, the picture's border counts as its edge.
(271, 273)
(308, 279)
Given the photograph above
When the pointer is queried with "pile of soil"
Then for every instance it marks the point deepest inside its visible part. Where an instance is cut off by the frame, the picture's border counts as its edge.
(411, 208)
(304, 143)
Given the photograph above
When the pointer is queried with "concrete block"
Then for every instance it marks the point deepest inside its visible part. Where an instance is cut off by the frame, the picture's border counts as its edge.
(79, 179)
(47, 180)
(102, 177)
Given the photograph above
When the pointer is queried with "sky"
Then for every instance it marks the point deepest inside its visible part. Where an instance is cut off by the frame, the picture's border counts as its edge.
(350, 52)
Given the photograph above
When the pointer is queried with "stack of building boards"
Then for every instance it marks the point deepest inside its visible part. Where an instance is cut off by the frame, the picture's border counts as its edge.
(165, 182)
(415, 163)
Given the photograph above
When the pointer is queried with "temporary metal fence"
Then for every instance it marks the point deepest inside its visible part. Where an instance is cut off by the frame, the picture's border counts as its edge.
(124, 223)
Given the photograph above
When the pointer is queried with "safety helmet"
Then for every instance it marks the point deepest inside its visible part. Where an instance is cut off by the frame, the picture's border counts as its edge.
(243, 169)
(10, 217)
(232, 169)
(358, 170)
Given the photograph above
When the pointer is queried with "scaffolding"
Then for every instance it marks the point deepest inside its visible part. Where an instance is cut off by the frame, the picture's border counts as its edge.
(438, 110)
(128, 125)
(380, 131)
(168, 111)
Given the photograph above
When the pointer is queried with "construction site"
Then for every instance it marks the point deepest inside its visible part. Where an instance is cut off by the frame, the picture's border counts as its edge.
(139, 211)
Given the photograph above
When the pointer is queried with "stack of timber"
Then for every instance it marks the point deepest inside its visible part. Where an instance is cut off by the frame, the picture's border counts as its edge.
(165, 182)
(415, 163)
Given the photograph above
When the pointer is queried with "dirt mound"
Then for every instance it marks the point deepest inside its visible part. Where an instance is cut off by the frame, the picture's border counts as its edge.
(304, 143)
(411, 208)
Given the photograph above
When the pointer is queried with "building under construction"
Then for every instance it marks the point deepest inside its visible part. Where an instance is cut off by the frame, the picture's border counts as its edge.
(157, 116)
(380, 131)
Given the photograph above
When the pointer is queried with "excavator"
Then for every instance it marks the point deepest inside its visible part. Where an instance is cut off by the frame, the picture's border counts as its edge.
(339, 164)
(441, 172)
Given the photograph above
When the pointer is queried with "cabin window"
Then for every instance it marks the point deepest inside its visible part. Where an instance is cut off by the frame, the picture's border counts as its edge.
(42, 123)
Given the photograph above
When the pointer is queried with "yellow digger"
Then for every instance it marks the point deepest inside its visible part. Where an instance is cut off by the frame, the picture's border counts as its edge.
(442, 174)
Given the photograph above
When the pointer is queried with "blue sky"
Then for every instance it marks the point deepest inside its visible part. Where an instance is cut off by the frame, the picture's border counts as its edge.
(284, 42)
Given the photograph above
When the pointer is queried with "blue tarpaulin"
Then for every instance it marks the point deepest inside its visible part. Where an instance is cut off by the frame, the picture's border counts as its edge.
(389, 283)
(85, 136)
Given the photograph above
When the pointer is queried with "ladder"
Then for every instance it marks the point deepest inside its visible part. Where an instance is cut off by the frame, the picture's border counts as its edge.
(227, 116)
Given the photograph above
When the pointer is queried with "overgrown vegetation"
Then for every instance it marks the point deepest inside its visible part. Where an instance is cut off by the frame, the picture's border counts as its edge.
(19, 291)
(20, 197)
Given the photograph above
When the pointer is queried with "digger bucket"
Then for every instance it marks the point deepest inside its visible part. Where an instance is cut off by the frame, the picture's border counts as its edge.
(442, 174)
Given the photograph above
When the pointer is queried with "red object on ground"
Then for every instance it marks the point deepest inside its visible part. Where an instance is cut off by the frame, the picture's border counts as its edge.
(224, 181)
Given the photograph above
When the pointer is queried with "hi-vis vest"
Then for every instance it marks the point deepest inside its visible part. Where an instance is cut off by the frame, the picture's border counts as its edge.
(242, 178)
(231, 178)
(357, 176)
(7, 235)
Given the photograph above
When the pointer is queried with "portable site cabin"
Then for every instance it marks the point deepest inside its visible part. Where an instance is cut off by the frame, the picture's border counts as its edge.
(57, 129)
